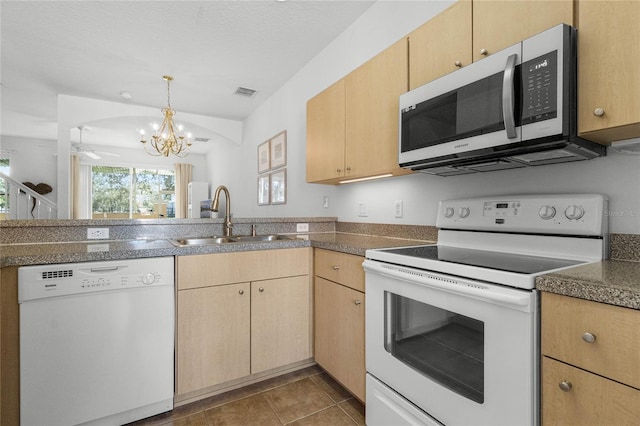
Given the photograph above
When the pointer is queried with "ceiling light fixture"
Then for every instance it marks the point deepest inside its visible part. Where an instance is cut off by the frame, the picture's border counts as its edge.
(164, 140)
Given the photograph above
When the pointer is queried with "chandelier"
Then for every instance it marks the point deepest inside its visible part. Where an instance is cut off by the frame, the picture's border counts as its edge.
(164, 140)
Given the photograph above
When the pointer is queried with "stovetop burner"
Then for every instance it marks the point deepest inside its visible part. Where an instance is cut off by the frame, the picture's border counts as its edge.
(516, 263)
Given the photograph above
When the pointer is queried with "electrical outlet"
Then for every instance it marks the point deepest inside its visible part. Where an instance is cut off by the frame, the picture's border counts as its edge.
(362, 209)
(97, 233)
(302, 227)
(397, 208)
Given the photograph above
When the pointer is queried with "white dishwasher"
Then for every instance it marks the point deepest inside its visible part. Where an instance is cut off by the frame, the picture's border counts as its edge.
(96, 341)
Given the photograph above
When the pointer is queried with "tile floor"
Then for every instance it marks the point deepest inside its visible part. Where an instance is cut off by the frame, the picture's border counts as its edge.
(306, 397)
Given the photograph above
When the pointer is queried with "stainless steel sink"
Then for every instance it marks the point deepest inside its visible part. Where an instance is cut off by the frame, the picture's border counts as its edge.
(204, 241)
(259, 238)
(201, 241)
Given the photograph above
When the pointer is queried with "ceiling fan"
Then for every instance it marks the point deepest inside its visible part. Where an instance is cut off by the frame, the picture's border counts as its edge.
(95, 155)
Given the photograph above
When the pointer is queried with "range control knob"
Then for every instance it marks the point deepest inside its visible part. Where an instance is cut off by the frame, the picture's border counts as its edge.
(547, 212)
(148, 278)
(448, 212)
(464, 212)
(574, 212)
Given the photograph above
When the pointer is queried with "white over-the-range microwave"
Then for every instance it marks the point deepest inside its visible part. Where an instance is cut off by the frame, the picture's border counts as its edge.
(515, 108)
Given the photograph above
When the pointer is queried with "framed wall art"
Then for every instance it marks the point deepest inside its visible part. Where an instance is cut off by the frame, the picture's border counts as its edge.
(264, 157)
(279, 187)
(263, 190)
(278, 150)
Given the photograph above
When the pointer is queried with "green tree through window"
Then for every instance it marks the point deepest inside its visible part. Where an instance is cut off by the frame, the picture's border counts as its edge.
(122, 192)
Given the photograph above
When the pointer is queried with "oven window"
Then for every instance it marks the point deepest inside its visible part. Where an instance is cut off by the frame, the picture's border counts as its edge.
(445, 346)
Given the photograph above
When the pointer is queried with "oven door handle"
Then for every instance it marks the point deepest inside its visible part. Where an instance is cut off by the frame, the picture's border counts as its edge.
(465, 288)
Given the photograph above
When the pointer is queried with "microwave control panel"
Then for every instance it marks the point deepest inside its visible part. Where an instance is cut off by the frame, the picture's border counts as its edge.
(539, 88)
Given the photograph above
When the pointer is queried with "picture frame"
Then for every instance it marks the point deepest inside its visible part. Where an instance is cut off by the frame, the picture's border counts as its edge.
(278, 185)
(278, 149)
(264, 185)
(264, 157)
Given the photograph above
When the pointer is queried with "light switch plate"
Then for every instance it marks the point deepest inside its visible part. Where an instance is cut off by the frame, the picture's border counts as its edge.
(362, 209)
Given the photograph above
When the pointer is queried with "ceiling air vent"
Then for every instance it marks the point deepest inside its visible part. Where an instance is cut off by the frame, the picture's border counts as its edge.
(202, 139)
(243, 91)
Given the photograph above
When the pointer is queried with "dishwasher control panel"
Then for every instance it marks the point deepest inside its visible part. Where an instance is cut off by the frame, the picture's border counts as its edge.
(43, 281)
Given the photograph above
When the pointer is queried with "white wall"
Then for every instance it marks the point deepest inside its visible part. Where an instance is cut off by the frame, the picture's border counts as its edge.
(616, 176)
(32, 160)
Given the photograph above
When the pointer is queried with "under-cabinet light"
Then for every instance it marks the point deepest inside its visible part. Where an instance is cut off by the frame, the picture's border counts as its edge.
(366, 178)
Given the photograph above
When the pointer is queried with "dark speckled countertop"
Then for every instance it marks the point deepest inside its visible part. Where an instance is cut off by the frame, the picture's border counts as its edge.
(66, 252)
(615, 282)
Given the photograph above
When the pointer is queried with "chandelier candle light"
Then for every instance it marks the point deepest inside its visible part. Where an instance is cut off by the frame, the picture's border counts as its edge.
(164, 140)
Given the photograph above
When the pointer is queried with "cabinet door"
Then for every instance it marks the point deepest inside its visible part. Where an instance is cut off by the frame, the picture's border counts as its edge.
(280, 322)
(326, 134)
(441, 45)
(339, 334)
(372, 93)
(213, 343)
(608, 63)
(591, 399)
(500, 24)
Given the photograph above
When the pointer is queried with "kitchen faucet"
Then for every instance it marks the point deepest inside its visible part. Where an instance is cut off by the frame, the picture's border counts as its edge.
(227, 214)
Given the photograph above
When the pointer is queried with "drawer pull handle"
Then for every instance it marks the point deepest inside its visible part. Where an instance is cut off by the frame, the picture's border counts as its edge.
(357, 302)
(588, 337)
(565, 386)
(336, 268)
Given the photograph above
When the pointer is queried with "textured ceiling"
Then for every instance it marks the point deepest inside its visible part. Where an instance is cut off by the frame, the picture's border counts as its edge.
(96, 49)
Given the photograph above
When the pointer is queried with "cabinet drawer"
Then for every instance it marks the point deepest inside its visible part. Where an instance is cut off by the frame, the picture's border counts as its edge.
(615, 352)
(342, 268)
(591, 400)
(206, 270)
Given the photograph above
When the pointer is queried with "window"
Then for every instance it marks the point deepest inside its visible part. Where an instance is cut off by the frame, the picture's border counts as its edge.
(4, 201)
(132, 193)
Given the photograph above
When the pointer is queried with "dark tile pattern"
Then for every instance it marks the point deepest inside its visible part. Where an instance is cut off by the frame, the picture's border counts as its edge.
(306, 397)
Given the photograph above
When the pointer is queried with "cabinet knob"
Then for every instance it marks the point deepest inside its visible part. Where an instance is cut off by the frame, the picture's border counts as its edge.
(241, 292)
(336, 267)
(357, 302)
(338, 170)
(457, 64)
(588, 337)
(348, 169)
(565, 386)
(484, 52)
(598, 112)
(261, 289)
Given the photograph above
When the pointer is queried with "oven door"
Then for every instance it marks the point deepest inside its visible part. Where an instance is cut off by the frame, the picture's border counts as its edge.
(464, 352)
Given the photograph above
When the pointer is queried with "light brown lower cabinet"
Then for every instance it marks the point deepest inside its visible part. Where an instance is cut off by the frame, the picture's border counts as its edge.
(590, 362)
(339, 319)
(571, 396)
(239, 316)
(213, 336)
(280, 321)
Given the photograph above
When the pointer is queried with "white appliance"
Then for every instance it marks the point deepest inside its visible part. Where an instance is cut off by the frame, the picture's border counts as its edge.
(196, 192)
(452, 329)
(515, 108)
(96, 341)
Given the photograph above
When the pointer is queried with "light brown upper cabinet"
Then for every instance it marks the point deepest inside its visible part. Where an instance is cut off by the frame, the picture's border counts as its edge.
(352, 127)
(326, 134)
(468, 31)
(500, 24)
(441, 45)
(608, 63)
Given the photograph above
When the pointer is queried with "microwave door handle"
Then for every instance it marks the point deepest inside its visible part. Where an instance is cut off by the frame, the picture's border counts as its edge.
(507, 96)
